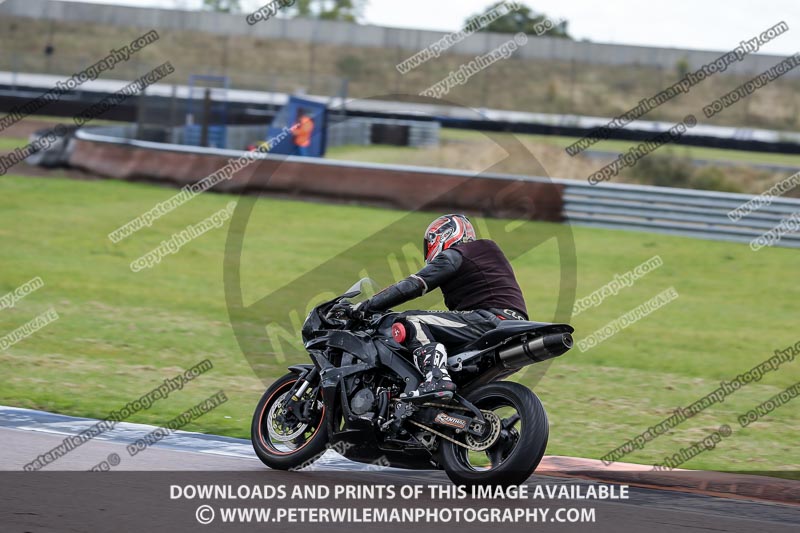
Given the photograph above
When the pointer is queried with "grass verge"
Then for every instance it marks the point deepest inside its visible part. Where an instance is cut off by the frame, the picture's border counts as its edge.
(122, 333)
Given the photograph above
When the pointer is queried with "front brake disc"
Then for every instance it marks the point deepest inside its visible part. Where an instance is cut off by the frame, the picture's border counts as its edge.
(279, 431)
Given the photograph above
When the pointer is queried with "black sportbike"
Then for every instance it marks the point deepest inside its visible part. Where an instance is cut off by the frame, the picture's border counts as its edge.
(491, 432)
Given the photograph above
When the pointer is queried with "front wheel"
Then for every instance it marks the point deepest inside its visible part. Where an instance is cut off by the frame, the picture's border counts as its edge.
(513, 442)
(280, 439)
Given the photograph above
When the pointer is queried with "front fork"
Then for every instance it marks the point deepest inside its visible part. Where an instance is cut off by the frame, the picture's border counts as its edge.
(294, 403)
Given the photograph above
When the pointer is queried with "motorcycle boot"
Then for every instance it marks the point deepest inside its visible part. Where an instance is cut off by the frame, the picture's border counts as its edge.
(431, 360)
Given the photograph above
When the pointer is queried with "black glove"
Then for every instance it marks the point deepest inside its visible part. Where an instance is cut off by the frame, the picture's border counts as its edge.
(357, 311)
(349, 310)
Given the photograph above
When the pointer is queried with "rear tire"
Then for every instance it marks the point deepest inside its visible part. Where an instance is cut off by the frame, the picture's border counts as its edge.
(518, 450)
(289, 445)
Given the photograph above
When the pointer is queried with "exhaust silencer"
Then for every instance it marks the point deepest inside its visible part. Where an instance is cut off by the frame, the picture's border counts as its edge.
(535, 350)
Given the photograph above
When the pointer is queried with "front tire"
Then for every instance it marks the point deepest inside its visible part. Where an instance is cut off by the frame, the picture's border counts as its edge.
(279, 439)
(515, 453)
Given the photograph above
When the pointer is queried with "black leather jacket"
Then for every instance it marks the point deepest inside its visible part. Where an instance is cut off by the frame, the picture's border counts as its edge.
(443, 267)
(473, 275)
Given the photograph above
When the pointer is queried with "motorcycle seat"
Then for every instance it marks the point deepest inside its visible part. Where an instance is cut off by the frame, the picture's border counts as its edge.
(512, 328)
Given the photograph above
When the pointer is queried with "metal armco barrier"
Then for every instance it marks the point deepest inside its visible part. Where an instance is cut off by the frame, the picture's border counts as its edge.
(693, 213)
(686, 212)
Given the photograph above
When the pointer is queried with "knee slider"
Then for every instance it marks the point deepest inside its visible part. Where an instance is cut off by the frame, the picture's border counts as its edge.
(399, 332)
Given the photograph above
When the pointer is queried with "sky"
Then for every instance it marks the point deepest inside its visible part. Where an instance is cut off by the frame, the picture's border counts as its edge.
(693, 24)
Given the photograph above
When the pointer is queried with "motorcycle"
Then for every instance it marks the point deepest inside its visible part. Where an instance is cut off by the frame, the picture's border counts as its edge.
(491, 432)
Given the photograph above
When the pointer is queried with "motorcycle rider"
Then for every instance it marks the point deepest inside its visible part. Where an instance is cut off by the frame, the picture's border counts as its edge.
(479, 288)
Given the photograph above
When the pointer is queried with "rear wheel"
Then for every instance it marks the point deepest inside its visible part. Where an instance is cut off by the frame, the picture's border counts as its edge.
(513, 441)
(280, 439)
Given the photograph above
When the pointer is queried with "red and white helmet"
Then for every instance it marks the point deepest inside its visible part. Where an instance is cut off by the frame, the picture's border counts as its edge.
(446, 231)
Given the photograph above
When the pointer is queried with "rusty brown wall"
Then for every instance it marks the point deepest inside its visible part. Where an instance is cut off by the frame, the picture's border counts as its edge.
(398, 188)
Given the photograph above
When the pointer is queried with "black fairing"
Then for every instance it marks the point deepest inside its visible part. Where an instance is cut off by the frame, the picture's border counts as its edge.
(312, 324)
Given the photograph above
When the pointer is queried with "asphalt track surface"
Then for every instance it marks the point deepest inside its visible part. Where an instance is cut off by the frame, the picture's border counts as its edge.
(135, 494)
